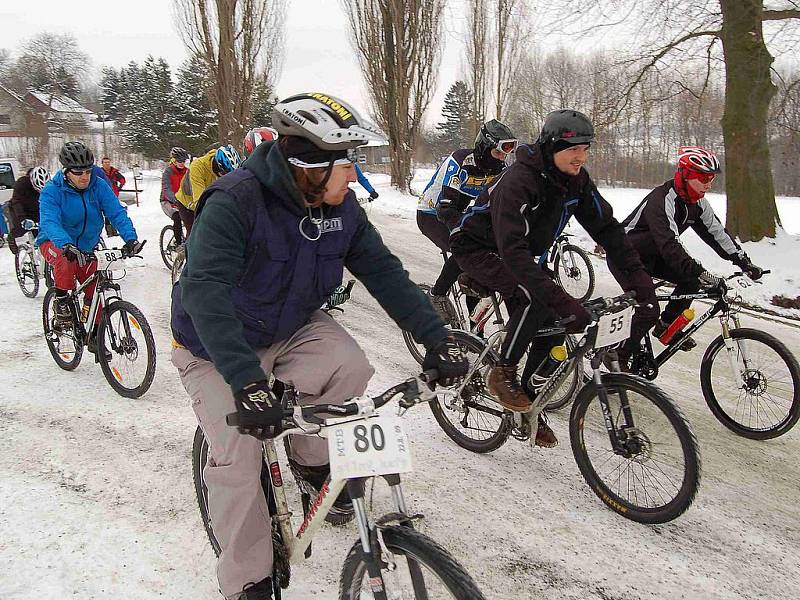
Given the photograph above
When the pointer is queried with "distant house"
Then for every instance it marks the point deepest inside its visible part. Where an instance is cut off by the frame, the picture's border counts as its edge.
(374, 153)
(12, 112)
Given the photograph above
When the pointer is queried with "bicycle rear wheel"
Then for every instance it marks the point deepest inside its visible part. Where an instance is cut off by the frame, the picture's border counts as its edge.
(654, 476)
(436, 574)
(126, 349)
(768, 403)
(27, 273)
(167, 245)
(474, 421)
(63, 341)
(574, 272)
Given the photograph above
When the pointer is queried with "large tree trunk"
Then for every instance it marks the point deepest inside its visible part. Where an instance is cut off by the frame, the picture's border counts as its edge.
(752, 213)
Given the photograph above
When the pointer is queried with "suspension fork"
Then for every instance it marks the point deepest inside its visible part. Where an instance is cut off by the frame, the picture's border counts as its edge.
(356, 489)
(731, 346)
(602, 396)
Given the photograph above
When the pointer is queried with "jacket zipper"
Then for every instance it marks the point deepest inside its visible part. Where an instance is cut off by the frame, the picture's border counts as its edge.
(85, 215)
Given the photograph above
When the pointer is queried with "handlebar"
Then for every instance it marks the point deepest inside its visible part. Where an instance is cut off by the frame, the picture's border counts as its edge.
(304, 419)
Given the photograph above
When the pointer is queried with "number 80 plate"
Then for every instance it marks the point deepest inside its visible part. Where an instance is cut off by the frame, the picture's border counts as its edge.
(376, 446)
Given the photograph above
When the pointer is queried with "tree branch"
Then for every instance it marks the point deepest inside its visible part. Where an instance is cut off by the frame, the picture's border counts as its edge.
(780, 15)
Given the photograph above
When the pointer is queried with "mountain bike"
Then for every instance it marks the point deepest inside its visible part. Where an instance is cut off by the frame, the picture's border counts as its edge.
(29, 263)
(631, 443)
(390, 559)
(749, 378)
(168, 245)
(570, 266)
(122, 338)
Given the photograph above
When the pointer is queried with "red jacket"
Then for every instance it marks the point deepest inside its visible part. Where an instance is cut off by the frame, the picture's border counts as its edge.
(171, 182)
(116, 178)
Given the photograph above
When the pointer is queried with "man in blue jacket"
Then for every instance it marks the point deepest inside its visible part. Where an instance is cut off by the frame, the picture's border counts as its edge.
(270, 244)
(71, 209)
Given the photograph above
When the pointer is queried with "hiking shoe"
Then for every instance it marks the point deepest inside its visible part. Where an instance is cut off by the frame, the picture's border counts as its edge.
(545, 438)
(62, 312)
(443, 308)
(659, 328)
(257, 591)
(311, 479)
(472, 288)
(505, 387)
(687, 345)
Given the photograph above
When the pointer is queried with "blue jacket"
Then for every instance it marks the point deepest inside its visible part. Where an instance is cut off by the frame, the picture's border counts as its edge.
(69, 216)
(251, 279)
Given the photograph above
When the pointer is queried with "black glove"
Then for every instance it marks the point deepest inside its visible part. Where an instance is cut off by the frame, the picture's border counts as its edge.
(72, 254)
(260, 410)
(752, 271)
(448, 359)
(566, 307)
(648, 309)
(373, 195)
(132, 247)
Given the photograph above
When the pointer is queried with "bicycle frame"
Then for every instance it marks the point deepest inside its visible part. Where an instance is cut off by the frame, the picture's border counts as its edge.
(99, 300)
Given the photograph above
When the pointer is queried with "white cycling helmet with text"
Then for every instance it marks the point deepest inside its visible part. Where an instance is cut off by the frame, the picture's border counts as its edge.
(39, 176)
(327, 122)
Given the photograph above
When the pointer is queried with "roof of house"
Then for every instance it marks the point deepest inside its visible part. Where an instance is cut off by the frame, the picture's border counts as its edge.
(11, 93)
(63, 104)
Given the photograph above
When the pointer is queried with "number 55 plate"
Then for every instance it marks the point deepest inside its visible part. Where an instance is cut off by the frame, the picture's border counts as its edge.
(376, 446)
(614, 328)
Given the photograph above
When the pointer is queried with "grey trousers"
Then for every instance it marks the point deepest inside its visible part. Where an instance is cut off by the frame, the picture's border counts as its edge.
(326, 366)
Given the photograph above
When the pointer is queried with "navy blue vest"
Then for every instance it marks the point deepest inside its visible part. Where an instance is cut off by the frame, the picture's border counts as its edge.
(286, 276)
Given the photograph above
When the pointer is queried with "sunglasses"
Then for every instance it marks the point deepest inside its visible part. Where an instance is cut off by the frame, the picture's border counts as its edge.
(507, 146)
(80, 172)
(704, 178)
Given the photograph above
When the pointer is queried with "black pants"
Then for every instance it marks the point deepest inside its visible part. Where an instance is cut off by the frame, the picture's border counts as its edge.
(437, 232)
(187, 216)
(177, 227)
(527, 314)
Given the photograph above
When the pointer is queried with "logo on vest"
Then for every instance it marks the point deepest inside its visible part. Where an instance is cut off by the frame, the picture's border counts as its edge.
(334, 224)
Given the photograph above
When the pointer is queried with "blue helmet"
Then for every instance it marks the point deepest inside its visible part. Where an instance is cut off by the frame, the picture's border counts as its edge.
(227, 158)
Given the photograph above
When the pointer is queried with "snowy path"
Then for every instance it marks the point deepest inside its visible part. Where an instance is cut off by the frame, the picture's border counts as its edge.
(96, 497)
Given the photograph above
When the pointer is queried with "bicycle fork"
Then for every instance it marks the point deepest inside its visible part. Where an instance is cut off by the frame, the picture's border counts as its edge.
(731, 346)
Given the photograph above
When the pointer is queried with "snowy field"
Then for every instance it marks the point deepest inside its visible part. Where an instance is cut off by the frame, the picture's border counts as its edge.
(96, 496)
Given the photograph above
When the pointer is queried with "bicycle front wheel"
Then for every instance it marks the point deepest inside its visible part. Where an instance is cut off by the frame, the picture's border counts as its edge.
(653, 473)
(474, 420)
(166, 243)
(126, 349)
(27, 273)
(63, 339)
(574, 272)
(767, 403)
(423, 570)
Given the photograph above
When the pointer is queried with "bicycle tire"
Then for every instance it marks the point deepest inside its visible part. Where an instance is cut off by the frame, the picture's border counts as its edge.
(22, 259)
(690, 454)
(730, 419)
(126, 347)
(62, 358)
(168, 248)
(477, 388)
(425, 552)
(561, 278)
(199, 460)
(48, 274)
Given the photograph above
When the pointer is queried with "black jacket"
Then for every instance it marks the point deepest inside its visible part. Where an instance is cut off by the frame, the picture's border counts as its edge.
(522, 213)
(655, 226)
(24, 205)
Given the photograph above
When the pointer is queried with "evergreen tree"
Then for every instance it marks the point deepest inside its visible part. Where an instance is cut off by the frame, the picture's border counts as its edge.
(456, 129)
(262, 104)
(197, 118)
(111, 93)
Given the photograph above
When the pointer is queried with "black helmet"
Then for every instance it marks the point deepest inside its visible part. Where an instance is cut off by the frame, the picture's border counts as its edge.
(74, 155)
(179, 154)
(489, 137)
(568, 126)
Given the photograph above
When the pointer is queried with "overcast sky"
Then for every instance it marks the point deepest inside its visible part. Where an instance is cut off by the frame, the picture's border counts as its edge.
(317, 57)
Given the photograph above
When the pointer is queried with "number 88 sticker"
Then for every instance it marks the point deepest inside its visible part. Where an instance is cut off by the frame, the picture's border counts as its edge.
(377, 446)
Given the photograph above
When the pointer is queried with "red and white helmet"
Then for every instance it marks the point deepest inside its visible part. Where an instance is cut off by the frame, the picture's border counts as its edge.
(697, 159)
(255, 136)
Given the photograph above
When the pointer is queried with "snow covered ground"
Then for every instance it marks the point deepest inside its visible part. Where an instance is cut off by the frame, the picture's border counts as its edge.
(96, 497)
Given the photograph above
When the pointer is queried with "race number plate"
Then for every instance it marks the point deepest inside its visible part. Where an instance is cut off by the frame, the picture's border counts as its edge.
(109, 260)
(614, 328)
(376, 446)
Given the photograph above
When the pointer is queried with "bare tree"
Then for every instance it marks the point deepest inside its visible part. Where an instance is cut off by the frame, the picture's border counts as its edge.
(398, 43)
(479, 66)
(239, 41)
(512, 33)
(693, 28)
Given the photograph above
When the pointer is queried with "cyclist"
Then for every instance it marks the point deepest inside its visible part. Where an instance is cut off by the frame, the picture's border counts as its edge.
(115, 178)
(24, 203)
(516, 220)
(456, 184)
(72, 206)
(257, 135)
(271, 244)
(171, 183)
(656, 224)
(203, 171)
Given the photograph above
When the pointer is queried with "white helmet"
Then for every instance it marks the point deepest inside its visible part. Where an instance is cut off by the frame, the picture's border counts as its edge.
(700, 160)
(327, 122)
(39, 176)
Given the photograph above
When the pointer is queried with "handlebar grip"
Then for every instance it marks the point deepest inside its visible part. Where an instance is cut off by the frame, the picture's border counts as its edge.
(566, 321)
